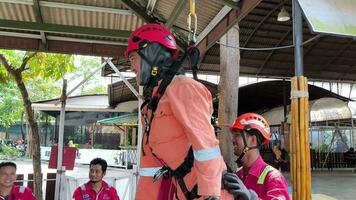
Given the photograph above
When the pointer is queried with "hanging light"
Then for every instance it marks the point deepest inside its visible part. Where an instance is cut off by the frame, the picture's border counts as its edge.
(283, 15)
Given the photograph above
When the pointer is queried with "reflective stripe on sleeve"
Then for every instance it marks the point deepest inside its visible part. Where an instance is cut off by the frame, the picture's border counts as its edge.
(207, 154)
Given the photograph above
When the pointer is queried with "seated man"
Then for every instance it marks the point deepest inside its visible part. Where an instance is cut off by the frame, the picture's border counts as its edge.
(96, 188)
(9, 191)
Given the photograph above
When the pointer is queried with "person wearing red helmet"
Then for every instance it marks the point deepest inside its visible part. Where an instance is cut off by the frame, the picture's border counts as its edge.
(256, 179)
(179, 142)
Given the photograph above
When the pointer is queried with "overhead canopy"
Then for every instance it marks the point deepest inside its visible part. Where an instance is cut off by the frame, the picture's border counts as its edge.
(101, 28)
(324, 109)
(259, 97)
(119, 92)
(88, 103)
(123, 120)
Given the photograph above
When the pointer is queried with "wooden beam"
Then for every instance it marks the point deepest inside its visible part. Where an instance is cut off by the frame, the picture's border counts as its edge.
(228, 92)
(37, 10)
(66, 47)
(66, 29)
(225, 24)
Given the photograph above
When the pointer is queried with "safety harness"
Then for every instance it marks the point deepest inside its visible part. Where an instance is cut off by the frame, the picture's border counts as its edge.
(152, 103)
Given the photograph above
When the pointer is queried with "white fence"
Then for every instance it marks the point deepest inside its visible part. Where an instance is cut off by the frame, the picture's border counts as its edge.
(114, 158)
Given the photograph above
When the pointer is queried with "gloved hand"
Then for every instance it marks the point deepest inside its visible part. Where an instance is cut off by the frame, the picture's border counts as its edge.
(211, 198)
(237, 188)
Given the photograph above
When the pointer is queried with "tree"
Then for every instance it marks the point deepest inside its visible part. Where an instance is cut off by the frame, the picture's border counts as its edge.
(32, 66)
(85, 65)
(9, 104)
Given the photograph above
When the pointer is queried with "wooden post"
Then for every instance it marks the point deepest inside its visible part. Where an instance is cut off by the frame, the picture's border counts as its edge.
(228, 91)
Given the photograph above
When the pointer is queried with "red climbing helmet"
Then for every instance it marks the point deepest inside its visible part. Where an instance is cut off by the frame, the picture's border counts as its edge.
(253, 121)
(149, 33)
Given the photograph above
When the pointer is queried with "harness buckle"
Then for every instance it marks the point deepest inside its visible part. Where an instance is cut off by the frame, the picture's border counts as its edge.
(154, 71)
(164, 172)
(147, 123)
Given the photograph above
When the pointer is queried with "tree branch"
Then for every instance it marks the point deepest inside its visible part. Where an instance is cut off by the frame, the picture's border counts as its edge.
(25, 61)
(8, 67)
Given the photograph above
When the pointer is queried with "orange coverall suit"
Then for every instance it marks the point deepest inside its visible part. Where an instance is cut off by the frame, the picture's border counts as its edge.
(182, 118)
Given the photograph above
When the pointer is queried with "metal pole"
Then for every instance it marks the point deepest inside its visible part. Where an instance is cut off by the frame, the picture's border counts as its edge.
(139, 143)
(298, 38)
(60, 143)
(284, 101)
(133, 90)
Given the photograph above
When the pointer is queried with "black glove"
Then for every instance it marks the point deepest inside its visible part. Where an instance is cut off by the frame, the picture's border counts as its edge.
(237, 188)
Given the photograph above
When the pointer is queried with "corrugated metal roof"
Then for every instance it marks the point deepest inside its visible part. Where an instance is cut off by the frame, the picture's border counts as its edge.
(205, 11)
(19, 12)
(327, 57)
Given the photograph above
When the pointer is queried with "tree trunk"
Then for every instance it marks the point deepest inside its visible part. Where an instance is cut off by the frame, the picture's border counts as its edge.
(35, 145)
(46, 131)
(23, 135)
(228, 92)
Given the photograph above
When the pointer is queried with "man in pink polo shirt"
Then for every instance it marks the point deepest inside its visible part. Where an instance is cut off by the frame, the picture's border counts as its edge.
(96, 188)
(256, 179)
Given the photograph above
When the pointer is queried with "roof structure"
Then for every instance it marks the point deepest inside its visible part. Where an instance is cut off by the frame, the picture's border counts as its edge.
(253, 97)
(101, 28)
(320, 110)
(119, 92)
(86, 103)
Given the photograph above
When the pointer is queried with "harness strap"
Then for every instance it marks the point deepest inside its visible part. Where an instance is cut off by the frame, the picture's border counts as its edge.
(262, 177)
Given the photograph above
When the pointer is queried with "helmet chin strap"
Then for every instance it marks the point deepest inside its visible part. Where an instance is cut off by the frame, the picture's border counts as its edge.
(245, 150)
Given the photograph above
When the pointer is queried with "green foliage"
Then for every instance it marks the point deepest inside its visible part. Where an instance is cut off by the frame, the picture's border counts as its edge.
(48, 66)
(10, 152)
(10, 105)
(40, 77)
(100, 89)
(85, 65)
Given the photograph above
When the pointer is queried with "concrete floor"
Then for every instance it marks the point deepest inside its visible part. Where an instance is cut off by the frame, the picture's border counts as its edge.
(337, 185)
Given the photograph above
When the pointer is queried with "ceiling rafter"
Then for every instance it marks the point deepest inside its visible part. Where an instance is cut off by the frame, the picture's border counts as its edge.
(59, 46)
(260, 24)
(175, 14)
(66, 29)
(225, 24)
(39, 18)
(271, 53)
(341, 51)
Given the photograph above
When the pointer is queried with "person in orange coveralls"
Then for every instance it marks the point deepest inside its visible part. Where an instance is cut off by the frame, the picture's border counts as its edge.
(256, 179)
(179, 140)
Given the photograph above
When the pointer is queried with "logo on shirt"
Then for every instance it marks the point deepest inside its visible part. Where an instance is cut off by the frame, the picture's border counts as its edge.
(86, 197)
